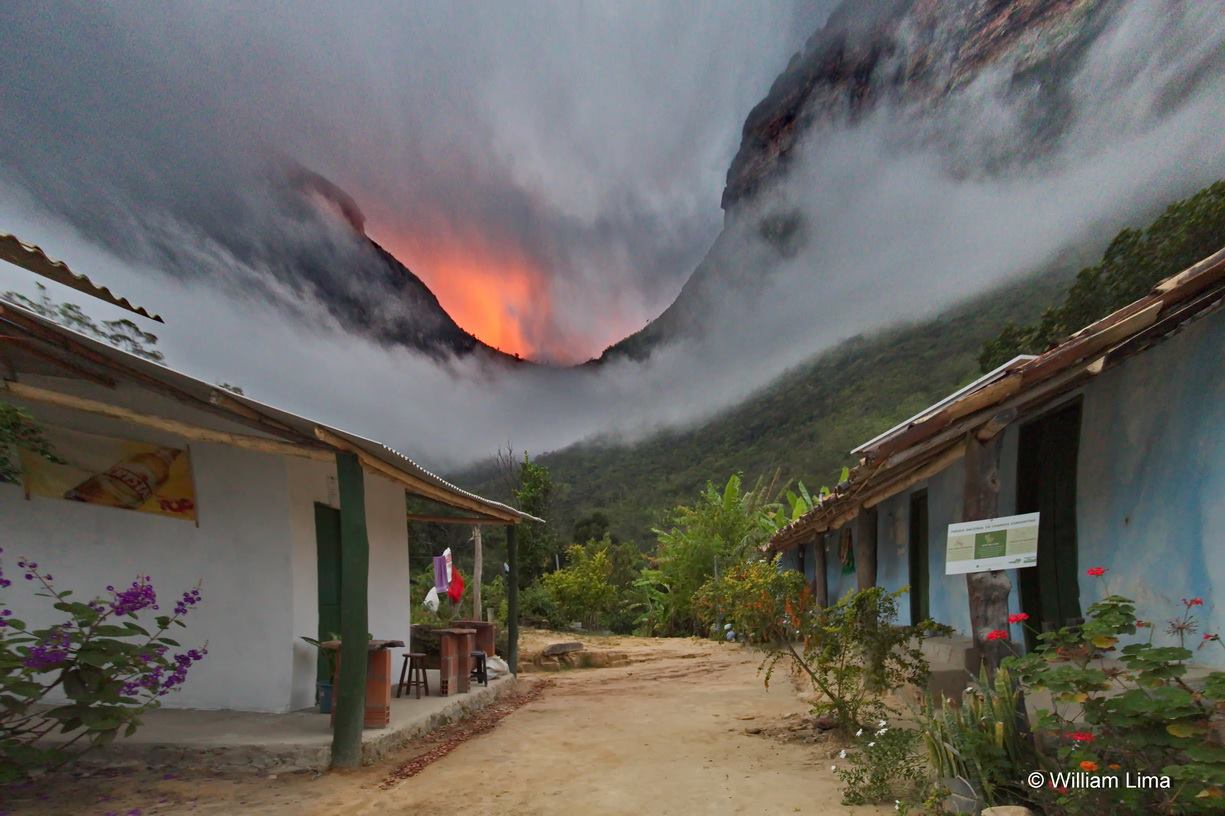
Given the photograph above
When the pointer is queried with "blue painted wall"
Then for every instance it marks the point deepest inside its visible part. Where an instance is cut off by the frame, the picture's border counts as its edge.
(1150, 493)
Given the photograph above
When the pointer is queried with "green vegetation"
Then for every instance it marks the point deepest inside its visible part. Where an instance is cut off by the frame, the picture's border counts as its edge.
(800, 426)
(19, 430)
(1188, 231)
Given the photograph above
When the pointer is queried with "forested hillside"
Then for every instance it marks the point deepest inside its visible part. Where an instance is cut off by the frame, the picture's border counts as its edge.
(804, 424)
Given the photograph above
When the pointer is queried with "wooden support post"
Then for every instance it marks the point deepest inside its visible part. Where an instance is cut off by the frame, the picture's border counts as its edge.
(865, 548)
(988, 591)
(820, 581)
(478, 569)
(354, 577)
(512, 599)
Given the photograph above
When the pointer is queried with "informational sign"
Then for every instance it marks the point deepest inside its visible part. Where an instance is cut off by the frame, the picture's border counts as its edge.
(1008, 542)
(111, 472)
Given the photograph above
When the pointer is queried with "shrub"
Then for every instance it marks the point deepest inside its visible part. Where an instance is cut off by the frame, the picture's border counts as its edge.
(111, 669)
(1129, 709)
(885, 766)
(754, 597)
(538, 607)
(979, 741)
(581, 591)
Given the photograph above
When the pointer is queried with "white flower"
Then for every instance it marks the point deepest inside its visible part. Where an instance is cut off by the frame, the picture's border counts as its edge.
(969, 690)
(870, 744)
(897, 804)
(842, 754)
(881, 724)
(833, 767)
(859, 733)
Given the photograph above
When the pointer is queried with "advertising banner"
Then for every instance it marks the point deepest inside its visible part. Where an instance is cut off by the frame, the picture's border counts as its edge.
(112, 472)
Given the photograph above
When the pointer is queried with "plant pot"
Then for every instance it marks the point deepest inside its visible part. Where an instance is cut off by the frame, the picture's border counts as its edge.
(324, 696)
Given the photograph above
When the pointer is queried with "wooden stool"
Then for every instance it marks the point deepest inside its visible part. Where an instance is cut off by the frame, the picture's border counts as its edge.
(480, 672)
(414, 667)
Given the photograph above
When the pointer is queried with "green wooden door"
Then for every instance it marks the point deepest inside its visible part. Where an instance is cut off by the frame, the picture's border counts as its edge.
(327, 544)
(1046, 484)
(920, 565)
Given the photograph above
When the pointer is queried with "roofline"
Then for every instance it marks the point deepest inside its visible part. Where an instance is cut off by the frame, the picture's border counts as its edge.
(32, 258)
(908, 451)
(936, 406)
(266, 417)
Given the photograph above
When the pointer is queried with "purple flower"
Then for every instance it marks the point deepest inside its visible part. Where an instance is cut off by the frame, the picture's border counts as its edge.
(48, 653)
(137, 597)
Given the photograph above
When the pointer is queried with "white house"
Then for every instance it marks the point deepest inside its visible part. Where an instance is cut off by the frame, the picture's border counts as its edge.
(186, 482)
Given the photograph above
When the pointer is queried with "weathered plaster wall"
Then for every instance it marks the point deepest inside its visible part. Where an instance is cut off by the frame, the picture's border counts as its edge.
(1151, 480)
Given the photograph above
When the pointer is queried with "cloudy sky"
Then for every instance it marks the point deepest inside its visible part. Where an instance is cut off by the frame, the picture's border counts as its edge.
(552, 170)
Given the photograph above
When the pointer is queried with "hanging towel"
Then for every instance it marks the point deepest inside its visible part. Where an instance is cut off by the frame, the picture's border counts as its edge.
(441, 582)
(456, 590)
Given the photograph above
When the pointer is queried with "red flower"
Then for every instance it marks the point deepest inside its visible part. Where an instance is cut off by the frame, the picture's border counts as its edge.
(1210, 636)
(1193, 602)
(1018, 618)
(997, 634)
(1140, 624)
(1096, 571)
(1080, 736)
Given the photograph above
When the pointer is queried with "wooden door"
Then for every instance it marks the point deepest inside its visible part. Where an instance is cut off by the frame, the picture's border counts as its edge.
(327, 547)
(920, 565)
(1046, 484)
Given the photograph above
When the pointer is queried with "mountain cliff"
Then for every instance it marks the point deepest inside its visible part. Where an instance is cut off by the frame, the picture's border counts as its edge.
(918, 57)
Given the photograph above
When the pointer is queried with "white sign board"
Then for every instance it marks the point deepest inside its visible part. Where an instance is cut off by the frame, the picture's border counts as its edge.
(1008, 542)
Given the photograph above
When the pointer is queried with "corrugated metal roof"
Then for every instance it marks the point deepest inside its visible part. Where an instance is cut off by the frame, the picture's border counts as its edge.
(271, 420)
(1021, 384)
(31, 257)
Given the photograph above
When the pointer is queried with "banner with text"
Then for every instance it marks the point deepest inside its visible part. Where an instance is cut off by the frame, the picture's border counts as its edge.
(1008, 542)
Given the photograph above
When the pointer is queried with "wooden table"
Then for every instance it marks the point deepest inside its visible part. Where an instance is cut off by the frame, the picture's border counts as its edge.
(378, 680)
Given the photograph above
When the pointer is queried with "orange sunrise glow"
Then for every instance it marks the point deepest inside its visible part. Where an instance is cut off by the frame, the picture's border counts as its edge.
(491, 292)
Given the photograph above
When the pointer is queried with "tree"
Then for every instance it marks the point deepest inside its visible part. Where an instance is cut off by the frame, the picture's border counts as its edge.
(122, 334)
(538, 543)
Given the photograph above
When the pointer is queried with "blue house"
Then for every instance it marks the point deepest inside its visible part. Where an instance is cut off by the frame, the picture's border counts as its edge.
(1116, 437)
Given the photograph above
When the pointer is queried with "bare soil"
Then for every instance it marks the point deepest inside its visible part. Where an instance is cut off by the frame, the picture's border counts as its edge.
(685, 727)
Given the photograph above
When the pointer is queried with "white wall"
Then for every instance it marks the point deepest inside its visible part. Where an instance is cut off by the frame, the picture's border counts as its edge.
(240, 552)
(253, 551)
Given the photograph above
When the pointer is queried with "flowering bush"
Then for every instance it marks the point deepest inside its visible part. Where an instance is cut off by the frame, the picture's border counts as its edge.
(754, 597)
(885, 765)
(1128, 710)
(110, 668)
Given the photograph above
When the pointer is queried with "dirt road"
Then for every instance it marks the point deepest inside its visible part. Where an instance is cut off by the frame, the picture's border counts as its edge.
(687, 727)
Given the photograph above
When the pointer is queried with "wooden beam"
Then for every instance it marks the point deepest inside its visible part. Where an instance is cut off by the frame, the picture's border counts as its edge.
(29, 346)
(478, 572)
(988, 591)
(464, 520)
(414, 483)
(58, 339)
(512, 599)
(172, 426)
(865, 548)
(913, 477)
(354, 616)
